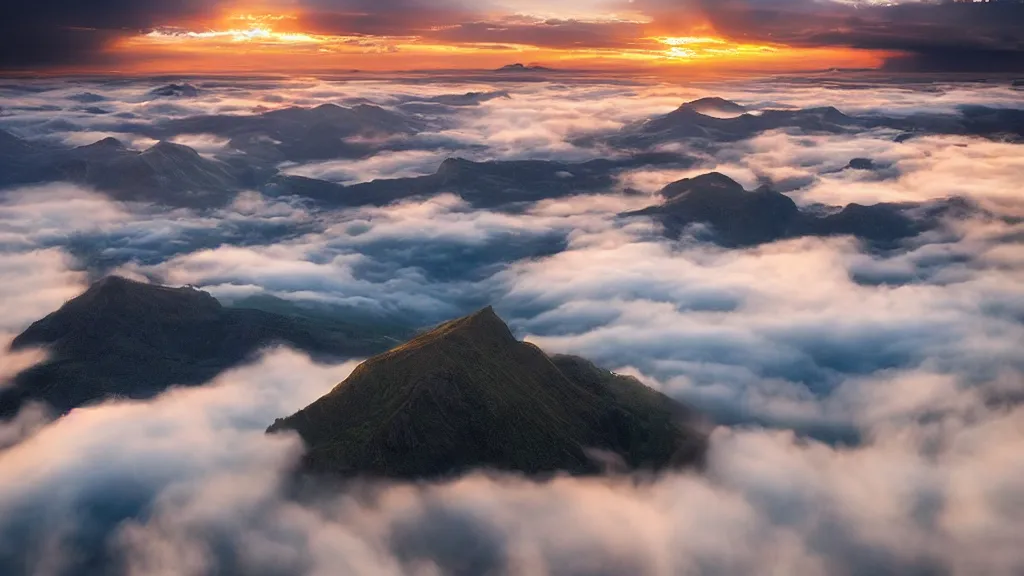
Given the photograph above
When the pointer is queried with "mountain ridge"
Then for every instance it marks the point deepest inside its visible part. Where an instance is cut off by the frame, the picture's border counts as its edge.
(122, 338)
(741, 217)
(467, 395)
(490, 184)
(519, 67)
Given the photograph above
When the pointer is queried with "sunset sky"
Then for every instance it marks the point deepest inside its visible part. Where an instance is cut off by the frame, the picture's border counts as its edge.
(211, 36)
(701, 288)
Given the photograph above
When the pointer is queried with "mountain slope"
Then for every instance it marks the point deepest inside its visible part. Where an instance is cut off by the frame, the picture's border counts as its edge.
(716, 120)
(719, 120)
(740, 217)
(301, 134)
(127, 339)
(523, 68)
(166, 173)
(715, 107)
(492, 184)
(468, 394)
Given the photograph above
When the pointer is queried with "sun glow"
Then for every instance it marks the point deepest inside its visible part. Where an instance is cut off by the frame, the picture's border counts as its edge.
(696, 47)
(256, 41)
(254, 34)
(685, 40)
(259, 28)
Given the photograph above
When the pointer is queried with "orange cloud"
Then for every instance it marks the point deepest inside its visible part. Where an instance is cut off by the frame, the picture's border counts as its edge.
(306, 35)
(311, 36)
(275, 43)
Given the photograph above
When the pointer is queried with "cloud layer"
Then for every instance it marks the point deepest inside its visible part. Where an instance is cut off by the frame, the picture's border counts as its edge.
(868, 402)
(217, 499)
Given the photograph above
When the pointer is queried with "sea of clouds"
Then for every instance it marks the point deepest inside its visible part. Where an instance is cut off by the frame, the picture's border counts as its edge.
(868, 404)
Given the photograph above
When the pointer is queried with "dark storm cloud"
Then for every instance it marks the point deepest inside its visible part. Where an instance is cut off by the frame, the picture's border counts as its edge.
(958, 59)
(69, 32)
(934, 36)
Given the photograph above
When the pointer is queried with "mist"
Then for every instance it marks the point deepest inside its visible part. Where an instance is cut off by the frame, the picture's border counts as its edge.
(864, 403)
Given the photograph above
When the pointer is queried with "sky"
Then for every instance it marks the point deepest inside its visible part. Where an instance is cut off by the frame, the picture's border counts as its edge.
(233, 36)
(868, 402)
(798, 342)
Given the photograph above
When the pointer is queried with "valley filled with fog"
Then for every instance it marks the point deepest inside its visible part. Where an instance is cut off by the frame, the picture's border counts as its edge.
(828, 268)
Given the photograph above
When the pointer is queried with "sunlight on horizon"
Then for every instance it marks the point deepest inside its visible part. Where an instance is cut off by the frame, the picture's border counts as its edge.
(280, 40)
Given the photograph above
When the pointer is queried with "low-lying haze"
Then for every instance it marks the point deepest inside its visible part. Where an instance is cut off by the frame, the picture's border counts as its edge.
(865, 396)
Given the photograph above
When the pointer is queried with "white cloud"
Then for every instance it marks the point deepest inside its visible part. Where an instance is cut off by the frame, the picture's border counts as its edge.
(916, 351)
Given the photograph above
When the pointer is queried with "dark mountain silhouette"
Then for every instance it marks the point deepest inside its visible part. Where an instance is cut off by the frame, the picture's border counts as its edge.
(175, 91)
(521, 68)
(87, 98)
(467, 99)
(691, 121)
(740, 217)
(1006, 123)
(468, 394)
(435, 104)
(877, 222)
(719, 120)
(715, 106)
(103, 150)
(482, 184)
(19, 159)
(300, 134)
(176, 175)
(11, 145)
(166, 173)
(321, 192)
(861, 164)
(122, 338)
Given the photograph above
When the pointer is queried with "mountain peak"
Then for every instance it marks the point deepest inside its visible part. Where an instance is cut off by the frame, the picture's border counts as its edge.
(712, 182)
(368, 107)
(487, 311)
(454, 165)
(519, 67)
(113, 283)
(714, 106)
(175, 91)
(9, 143)
(483, 324)
(829, 114)
(118, 306)
(108, 142)
(737, 217)
(116, 293)
(167, 148)
(328, 108)
(483, 328)
(467, 394)
(122, 338)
